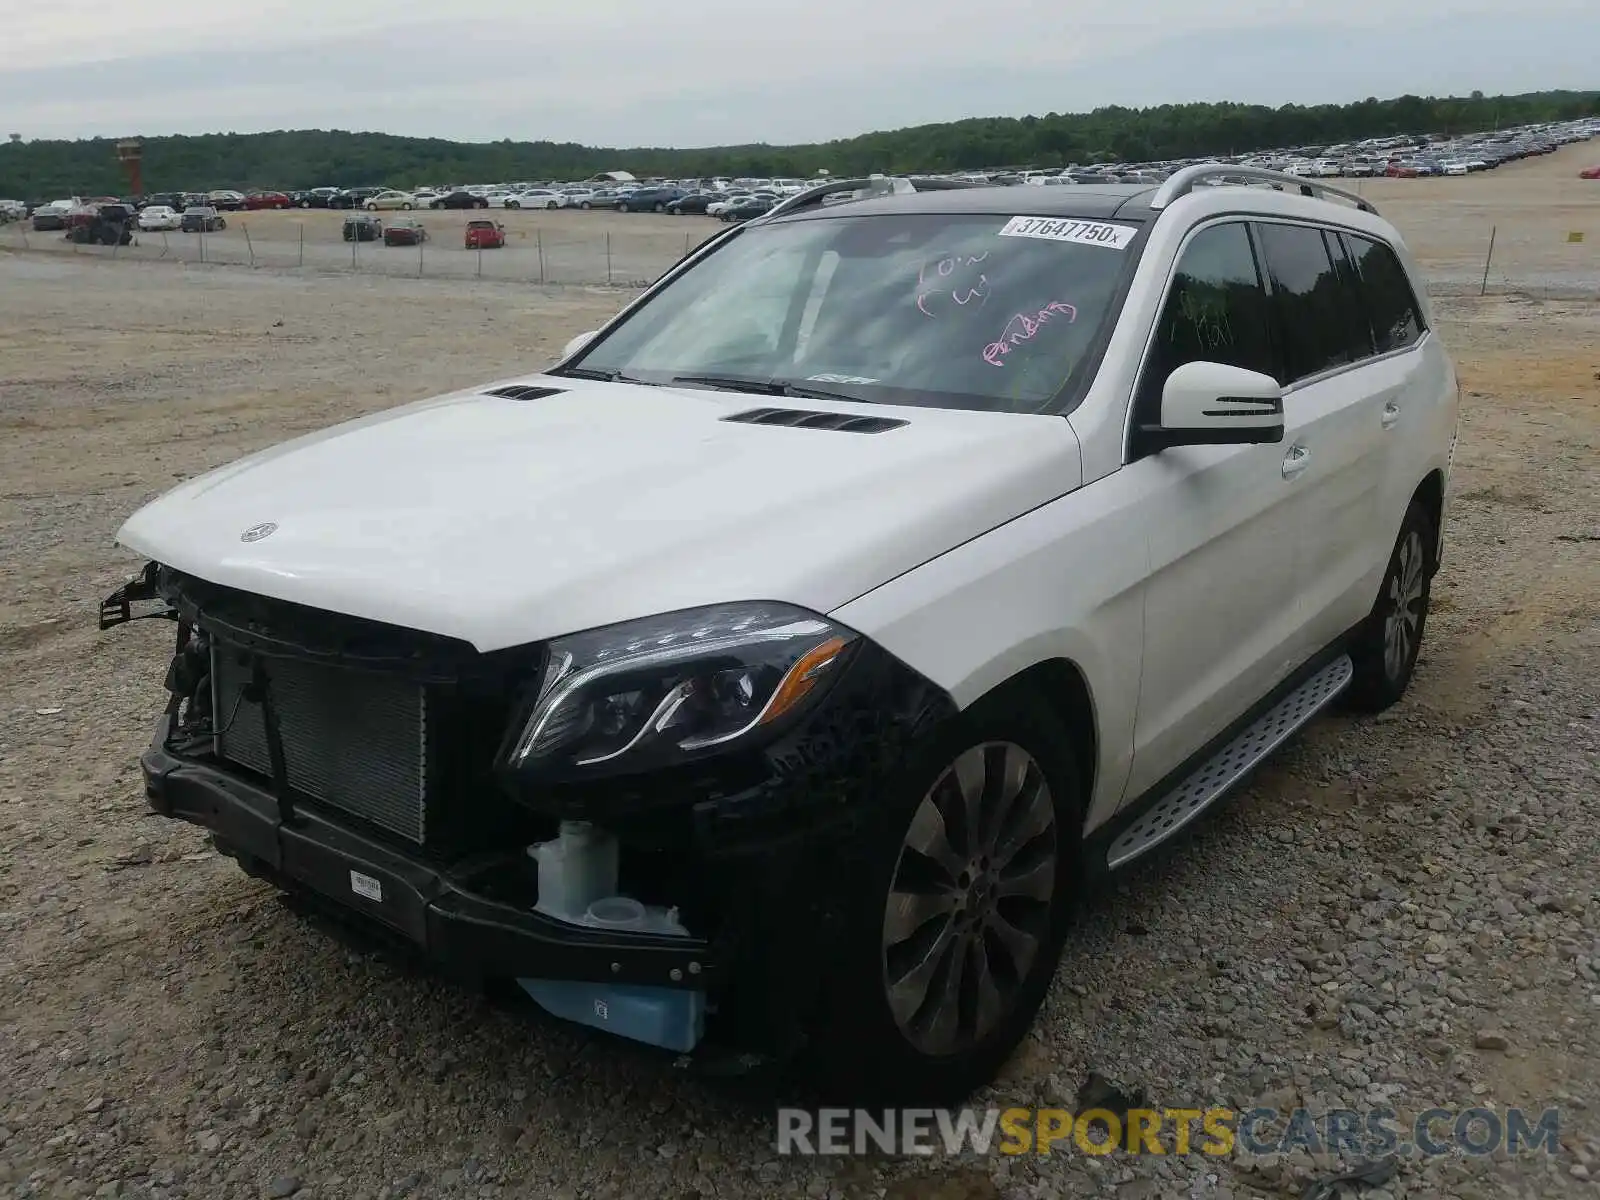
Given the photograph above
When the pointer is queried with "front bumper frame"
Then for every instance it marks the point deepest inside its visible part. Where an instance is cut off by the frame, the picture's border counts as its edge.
(435, 908)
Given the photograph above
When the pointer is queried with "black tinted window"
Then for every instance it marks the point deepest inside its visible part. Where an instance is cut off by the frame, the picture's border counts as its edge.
(1391, 306)
(1351, 303)
(1216, 310)
(1306, 297)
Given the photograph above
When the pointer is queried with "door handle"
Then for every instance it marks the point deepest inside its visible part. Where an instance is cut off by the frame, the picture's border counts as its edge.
(1295, 461)
(1391, 414)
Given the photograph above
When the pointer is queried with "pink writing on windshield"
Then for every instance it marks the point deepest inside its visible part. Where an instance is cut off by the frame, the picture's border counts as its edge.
(951, 278)
(1022, 327)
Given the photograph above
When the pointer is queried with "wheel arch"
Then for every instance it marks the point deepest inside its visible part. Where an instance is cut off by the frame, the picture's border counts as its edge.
(1430, 494)
(1062, 686)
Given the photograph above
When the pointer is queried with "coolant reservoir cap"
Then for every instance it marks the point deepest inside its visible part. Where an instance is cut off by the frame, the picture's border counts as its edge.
(617, 912)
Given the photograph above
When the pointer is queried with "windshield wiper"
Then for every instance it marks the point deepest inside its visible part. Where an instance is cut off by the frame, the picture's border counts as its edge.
(770, 387)
(603, 376)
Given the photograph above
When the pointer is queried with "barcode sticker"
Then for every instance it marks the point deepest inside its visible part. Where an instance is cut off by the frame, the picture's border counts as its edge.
(366, 885)
(1087, 233)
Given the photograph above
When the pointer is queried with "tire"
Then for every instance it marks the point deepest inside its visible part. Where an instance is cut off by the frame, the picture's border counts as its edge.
(1385, 650)
(371, 207)
(870, 1048)
(552, 205)
(407, 207)
(435, 204)
(221, 224)
(660, 208)
(585, 204)
(512, 204)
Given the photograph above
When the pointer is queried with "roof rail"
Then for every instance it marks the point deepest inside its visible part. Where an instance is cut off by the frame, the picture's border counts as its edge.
(863, 188)
(1182, 182)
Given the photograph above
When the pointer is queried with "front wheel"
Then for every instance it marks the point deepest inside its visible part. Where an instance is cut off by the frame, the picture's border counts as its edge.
(949, 945)
(585, 204)
(407, 207)
(1385, 650)
(221, 224)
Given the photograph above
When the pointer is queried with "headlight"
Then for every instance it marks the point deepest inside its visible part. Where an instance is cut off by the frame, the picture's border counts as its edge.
(665, 689)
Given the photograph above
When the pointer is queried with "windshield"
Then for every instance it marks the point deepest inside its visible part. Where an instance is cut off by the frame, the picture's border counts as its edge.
(940, 310)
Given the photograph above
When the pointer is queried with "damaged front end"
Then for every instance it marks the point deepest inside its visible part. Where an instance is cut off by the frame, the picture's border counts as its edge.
(596, 817)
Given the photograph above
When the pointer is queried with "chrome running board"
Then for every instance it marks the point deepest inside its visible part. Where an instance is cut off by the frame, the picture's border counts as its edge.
(1211, 781)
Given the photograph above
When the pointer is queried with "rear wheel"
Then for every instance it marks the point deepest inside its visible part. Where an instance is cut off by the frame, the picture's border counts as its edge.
(584, 204)
(1385, 650)
(956, 928)
(661, 208)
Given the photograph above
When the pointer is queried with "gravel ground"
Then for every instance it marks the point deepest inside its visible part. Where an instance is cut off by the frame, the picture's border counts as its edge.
(1400, 911)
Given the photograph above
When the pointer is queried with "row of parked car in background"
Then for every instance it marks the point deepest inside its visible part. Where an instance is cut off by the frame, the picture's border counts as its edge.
(1399, 156)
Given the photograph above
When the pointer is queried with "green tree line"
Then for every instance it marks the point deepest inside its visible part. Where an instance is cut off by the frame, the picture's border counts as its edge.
(306, 158)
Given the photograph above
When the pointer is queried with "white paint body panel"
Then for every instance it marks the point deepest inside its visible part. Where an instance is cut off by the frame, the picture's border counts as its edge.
(502, 522)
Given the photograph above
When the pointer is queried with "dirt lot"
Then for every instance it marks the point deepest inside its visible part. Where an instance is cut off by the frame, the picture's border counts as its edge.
(1360, 927)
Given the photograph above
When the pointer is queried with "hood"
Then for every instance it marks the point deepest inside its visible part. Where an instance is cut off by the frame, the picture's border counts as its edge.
(503, 521)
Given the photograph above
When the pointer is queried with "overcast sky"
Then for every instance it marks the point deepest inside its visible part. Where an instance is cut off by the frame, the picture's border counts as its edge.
(709, 72)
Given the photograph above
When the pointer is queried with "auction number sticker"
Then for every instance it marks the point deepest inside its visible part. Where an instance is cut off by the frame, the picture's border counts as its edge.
(1056, 229)
(366, 885)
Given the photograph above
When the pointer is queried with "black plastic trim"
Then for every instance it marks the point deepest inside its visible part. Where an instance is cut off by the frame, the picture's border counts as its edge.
(438, 911)
(798, 418)
(525, 391)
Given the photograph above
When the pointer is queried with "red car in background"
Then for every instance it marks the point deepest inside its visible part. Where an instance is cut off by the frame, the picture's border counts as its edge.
(485, 235)
(258, 200)
(405, 231)
(1591, 173)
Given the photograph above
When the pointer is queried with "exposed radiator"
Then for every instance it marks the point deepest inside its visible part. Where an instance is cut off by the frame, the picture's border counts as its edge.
(354, 740)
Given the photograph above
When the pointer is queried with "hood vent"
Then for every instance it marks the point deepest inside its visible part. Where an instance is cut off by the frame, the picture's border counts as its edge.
(524, 391)
(801, 419)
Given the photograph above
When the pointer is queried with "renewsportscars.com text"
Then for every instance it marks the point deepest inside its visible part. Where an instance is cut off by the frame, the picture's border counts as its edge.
(1374, 1132)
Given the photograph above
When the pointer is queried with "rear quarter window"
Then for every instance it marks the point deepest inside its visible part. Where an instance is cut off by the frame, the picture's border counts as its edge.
(1391, 305)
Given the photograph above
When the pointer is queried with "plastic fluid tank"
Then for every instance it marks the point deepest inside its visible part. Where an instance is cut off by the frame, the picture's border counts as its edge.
(657, 1016)
(576, 868)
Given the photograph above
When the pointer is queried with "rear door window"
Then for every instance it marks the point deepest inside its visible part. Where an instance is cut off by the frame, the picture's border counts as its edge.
(1307, 302)
(1392, 307)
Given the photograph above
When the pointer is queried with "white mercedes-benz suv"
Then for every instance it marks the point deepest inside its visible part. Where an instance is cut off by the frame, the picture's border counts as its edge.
(770, 674)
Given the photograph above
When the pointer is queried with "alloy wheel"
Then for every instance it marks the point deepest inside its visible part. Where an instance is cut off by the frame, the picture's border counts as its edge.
(969, 908)
(1403, 624)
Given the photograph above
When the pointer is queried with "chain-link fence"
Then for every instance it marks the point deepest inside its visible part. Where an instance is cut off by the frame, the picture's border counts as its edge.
(1462, 252)
(555, 250)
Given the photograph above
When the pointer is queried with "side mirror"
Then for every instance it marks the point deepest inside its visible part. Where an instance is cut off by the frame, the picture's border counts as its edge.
(577, 343)
(1213, 404)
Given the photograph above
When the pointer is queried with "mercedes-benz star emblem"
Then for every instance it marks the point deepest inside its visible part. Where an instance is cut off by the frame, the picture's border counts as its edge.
(256, 532)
